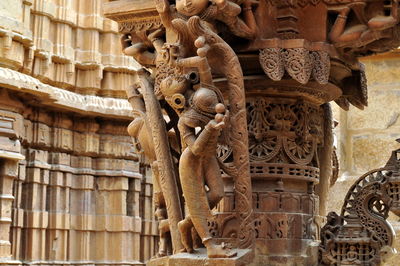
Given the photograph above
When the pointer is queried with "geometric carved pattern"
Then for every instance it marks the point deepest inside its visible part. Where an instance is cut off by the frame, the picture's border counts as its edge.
(299, 63)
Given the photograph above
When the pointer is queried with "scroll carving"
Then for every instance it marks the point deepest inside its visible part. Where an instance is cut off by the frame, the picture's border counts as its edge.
(360, 234)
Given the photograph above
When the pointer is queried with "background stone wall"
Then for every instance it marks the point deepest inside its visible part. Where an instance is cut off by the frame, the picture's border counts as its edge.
(73, 191)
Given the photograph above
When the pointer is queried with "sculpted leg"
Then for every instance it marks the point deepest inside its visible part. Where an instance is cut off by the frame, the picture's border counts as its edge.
(163, 228)
(196, 199)
(185, 228)
(381, 22)
(213, 181)
(193, 190)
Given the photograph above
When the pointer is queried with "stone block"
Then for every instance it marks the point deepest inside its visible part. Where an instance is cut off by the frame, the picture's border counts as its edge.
(200, 258)
(112, 183)
(82, 182)
(382, 72)
(382, 111)
(372, 151)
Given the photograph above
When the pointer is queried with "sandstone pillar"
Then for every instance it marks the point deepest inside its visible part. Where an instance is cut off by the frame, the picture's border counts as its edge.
(10, 156)
(282, 62)
(286, 142)
(8, 172)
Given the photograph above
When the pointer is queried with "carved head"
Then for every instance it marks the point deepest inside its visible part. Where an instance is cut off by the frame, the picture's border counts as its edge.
(173, 90)
(333, 218)
(191, 7)
(205, 100)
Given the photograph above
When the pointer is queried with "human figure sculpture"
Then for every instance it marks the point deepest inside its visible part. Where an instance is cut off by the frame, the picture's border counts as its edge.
(209, 11)
(362, 29)
(140, 46)
(198, 165)
(139, 130)
(352, 255)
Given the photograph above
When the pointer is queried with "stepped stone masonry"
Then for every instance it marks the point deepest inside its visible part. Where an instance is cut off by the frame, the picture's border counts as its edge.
(74, 191)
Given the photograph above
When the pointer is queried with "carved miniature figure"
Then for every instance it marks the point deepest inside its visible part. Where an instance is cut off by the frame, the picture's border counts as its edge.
(199, 168)
(210, 11)
(140, 132)
(363, 28)
(352, 255)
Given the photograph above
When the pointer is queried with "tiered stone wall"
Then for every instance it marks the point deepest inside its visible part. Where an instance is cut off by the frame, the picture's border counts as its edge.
(365, 138)
(72, 189)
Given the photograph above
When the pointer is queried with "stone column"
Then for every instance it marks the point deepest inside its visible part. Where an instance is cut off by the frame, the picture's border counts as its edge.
(10, 155)
(288, 130)
(8, 172)
(286, 143)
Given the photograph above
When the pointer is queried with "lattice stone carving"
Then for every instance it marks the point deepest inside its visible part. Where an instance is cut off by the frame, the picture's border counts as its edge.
(360, 235)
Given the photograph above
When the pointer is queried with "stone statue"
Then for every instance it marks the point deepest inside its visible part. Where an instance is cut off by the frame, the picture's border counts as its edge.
(199, 169)
(140, 132)
(372, 21)
(210, 11)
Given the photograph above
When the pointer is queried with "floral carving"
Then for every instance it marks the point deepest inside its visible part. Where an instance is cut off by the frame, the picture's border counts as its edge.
(272, 63)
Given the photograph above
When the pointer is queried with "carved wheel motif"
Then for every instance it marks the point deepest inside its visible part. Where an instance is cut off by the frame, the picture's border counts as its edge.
(290, 130)
(224, 152)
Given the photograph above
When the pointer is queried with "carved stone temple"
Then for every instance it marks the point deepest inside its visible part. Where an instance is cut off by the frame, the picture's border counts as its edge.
(198, 132)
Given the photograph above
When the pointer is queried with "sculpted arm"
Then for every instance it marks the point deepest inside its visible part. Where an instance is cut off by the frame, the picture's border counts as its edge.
(200, 61)
(199, 144)
(228, 7)
(229, 13)
(137, 50)
(164, 9)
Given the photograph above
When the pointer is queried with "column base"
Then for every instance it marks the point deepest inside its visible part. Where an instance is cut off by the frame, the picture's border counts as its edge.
(308, 256)
(199, 258)
(10, 262)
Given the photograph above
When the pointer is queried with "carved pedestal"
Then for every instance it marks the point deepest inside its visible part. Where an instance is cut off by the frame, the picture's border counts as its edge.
(244, 257)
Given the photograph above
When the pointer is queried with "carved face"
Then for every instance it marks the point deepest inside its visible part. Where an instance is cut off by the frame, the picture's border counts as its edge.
(191, 7)
(173, 91)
